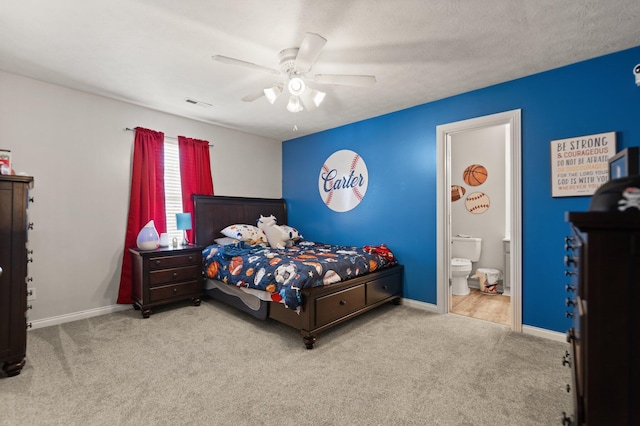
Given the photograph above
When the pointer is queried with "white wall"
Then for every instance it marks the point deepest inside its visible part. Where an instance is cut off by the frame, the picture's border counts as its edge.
(74, 145)
(485, 147)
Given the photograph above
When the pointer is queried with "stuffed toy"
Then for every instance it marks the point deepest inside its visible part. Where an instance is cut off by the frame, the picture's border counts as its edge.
(276, 235)
(380, 250)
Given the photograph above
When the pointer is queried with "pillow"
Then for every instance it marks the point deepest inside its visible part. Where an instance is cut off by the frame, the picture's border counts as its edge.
(248, 233)
(293, 233)
(223, 241)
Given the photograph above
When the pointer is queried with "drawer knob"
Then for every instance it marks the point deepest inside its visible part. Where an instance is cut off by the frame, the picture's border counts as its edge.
(190, 258)
(568, 243)
(569, 273)
(569, 287)
(175, 275)
(384, 287)
(569, 314)
(157, 262)
(30, 226)
(570, 335)
(570, 302)
(175, 290)
(343, 302)
(569, 260)
(566, 420)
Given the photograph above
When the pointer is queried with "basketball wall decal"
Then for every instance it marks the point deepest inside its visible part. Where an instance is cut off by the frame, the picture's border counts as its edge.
(457, 192)
(477, 202)
(475, 175)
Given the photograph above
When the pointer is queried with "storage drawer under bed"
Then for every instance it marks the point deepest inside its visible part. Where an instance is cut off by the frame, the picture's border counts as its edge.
(383, 288)
(337, 305)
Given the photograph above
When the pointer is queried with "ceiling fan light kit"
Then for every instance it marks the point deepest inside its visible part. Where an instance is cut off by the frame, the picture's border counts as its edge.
(296, 86)
(294, 104)
(273, 92)
(295, 63)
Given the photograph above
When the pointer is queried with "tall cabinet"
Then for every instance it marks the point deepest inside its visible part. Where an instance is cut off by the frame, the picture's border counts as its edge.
(603, 300)
(14, 200)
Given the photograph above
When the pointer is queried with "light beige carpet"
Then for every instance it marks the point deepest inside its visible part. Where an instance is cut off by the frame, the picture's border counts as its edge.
(213, 365)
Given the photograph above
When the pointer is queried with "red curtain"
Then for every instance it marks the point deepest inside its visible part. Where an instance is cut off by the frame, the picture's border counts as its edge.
(195, 173)
(146, 199)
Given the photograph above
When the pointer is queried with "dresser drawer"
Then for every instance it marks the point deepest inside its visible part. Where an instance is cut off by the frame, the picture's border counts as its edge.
(169, 291)
(164, 262)
(383, 288)
(174, 275)
(337, 305)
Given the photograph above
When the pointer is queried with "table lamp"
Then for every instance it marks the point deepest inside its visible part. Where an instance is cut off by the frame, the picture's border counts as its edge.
(183, 223)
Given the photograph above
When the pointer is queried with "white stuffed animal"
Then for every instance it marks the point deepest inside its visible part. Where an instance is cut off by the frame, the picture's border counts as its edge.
(276, 235)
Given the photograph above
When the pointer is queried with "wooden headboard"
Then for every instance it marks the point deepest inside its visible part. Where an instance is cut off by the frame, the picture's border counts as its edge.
(214, 213)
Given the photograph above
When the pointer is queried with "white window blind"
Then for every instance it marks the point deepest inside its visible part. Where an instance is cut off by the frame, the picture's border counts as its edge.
(172, 187)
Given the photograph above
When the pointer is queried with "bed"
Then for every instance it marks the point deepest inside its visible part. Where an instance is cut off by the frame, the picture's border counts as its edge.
(320, 307)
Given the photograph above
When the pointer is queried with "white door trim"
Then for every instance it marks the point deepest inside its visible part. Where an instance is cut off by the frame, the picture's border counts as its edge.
(443, 193)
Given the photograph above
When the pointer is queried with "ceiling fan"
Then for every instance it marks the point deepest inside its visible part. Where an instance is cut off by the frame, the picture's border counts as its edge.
(295, 64)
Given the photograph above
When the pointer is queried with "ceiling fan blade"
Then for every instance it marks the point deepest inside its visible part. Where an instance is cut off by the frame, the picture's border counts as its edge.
(238, 62)
(309, 51)
(346, 80)
(253, 96)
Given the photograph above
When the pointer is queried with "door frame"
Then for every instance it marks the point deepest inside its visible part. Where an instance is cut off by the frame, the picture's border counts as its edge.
(443, 194)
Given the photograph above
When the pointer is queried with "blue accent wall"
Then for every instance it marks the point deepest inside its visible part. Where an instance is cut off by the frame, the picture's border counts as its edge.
(399, 208)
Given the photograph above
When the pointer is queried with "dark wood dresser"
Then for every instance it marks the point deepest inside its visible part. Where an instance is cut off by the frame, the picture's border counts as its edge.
(166, 275)
(603, 262)
(14, 200)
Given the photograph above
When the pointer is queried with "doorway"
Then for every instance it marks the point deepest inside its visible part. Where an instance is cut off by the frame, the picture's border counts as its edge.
(513, 266)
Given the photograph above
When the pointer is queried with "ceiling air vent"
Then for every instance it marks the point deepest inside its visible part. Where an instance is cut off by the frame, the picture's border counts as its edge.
(197, 102)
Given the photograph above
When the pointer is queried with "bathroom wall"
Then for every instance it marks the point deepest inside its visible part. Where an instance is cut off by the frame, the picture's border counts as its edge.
(485, 147)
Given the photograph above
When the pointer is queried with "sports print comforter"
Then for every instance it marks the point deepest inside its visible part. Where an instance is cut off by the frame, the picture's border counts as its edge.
(284, 272)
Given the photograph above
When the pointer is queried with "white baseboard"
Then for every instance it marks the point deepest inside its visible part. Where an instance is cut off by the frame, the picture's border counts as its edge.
(543, 332)
(420, 305)
(526, 329)
(61, 319)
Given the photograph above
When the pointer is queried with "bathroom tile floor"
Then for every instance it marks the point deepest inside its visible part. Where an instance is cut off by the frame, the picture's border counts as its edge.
(494, 308)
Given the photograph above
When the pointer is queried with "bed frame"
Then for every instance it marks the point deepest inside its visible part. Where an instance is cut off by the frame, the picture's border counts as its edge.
(322, 307)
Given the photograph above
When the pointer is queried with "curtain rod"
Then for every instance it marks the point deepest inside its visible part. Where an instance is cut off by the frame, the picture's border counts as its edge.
(128, 129)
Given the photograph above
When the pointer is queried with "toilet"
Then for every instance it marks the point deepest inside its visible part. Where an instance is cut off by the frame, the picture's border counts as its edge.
(464, 251)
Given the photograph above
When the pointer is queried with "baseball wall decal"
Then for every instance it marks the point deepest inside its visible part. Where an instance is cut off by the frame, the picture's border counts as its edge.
(477, 202)
(475, 175)
(343, 180)
(457, 192)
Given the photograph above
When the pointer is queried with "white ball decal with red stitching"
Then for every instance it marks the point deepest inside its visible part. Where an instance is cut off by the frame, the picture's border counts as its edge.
(343, 180)
(477, 202)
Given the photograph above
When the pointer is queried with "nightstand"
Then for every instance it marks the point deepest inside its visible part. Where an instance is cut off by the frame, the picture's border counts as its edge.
(166, 275)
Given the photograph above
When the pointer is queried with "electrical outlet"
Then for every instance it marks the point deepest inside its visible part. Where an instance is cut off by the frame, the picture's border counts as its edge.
(31, 293)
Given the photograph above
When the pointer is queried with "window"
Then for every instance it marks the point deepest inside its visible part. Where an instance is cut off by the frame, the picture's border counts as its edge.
(172, 187)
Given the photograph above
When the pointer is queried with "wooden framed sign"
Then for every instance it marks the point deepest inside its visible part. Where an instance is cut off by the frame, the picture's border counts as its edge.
(580, 165)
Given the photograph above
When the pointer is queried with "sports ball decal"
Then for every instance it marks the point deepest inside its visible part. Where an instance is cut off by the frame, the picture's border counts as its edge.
(477, 202)
(457, 192)
(343, 180)
(475, 175)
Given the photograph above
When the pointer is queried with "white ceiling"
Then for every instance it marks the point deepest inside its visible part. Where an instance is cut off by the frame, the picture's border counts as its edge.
(156, 53)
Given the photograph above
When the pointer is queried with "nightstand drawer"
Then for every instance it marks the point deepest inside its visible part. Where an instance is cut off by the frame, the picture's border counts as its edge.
(334, 306)
(169, 291)
(174, 275)
(164, 262)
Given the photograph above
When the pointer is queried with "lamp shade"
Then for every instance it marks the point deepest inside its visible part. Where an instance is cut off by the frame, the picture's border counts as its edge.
(183, 221)
(273, 92)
